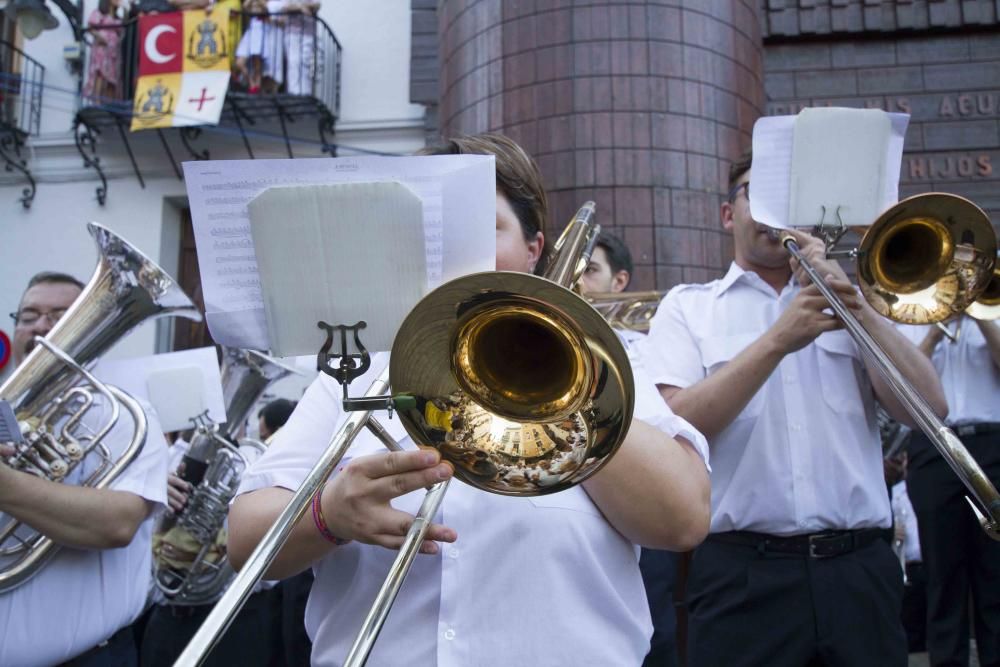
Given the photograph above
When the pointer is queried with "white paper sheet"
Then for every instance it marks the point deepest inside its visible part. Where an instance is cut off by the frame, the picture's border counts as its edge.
(457, 191)
(771, 188)
(179, 385)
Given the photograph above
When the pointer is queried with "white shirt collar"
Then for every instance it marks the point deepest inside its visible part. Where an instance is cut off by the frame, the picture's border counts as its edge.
(751, 278)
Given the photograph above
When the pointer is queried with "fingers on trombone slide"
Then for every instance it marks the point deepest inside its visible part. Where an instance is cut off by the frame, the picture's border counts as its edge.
(357, 500)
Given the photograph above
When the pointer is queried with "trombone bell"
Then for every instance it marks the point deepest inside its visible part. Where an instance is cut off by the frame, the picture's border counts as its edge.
(538, 395)
(926, 258)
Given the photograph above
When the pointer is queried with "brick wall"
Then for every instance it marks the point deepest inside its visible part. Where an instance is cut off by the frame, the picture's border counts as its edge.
(636, 105)
(949, 83)
(804, 18)
(639, 105)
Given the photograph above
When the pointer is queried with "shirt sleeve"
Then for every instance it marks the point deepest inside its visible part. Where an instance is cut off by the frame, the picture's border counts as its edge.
(146, 476)
(669, 353)
(652, 409)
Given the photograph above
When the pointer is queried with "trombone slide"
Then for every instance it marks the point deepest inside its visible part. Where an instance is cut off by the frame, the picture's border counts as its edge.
(987, 500)
(225, 610)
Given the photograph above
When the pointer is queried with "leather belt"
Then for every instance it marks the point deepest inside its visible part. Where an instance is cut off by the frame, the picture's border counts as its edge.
(824, 544)
(982, 428)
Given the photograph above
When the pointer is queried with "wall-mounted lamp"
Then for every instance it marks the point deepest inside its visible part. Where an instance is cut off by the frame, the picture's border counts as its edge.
(34, 16)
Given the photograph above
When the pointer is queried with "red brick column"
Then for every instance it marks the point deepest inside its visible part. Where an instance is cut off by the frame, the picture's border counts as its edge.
(637, 105)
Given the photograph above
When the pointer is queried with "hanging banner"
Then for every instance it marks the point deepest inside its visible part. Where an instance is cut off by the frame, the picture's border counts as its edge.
(183, 69)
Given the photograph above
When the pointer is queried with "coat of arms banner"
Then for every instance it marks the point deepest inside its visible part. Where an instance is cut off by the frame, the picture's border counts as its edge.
(184, 60)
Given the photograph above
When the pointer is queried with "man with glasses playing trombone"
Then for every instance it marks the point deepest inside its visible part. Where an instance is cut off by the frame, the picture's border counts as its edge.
(797, 568)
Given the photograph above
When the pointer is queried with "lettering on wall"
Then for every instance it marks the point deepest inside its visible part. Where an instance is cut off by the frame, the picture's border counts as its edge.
(950, 107)
(918, 168)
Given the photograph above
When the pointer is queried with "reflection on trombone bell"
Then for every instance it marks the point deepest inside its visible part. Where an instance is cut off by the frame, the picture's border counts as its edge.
(516, 379)
(924, 260)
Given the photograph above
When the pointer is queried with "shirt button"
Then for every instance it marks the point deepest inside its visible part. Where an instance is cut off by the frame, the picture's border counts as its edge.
(449, 634)
(796, 427)
(453, 553)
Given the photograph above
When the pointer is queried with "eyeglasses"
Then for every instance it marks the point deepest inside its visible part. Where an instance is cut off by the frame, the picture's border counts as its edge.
(734, 193)
(29, 316)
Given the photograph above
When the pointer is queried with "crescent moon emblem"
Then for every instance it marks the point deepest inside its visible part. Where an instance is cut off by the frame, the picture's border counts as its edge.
(150, 44)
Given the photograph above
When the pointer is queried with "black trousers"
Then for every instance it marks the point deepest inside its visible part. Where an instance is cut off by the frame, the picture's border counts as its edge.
(295, 645)
(751, 608)
(659, 573)
(119, 651)
(959, 558)
(248, 642)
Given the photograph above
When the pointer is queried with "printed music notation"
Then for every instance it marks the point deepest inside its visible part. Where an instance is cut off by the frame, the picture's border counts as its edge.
(219, 193)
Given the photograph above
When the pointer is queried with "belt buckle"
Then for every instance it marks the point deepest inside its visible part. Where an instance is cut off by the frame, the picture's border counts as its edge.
(966, 430)
(813, 542)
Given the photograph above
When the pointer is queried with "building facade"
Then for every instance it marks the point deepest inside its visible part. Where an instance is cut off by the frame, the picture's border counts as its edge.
(641, 105)
(146, 202)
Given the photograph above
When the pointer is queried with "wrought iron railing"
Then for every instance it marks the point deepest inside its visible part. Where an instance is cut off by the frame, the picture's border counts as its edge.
(22, 79)
(278, 54)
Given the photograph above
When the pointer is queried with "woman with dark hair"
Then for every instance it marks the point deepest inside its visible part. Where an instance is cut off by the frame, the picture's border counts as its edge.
(104, 69)
(543, 580)
(519, 190)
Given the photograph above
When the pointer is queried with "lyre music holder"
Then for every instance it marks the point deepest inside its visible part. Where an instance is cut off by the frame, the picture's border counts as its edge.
(352, 366)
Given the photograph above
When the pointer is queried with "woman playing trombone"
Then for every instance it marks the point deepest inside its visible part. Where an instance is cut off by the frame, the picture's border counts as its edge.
(552, 579)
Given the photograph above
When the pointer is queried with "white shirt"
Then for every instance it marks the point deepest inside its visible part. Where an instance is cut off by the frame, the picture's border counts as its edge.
(968, 373)
(530, 581)
(804, 454)
(82, 597)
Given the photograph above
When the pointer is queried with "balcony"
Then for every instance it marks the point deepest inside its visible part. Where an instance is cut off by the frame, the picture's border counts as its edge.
(21, 83)
(285, 73)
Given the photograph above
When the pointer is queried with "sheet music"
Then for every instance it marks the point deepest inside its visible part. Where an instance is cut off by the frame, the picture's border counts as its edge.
(461, 242)
(179, 385)
(773, 138)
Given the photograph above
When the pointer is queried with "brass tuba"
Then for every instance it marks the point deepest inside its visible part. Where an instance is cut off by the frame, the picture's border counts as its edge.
(189, 549)
(52, 392)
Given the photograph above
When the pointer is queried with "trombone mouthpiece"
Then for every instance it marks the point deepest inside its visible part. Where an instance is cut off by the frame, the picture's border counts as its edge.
(586, 212)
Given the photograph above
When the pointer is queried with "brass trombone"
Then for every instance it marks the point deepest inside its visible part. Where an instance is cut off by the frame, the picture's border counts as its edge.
(629, 311)
(516, 379)
(924, 259)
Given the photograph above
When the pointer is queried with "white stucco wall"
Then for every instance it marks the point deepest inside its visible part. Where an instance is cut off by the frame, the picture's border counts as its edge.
(375, 115)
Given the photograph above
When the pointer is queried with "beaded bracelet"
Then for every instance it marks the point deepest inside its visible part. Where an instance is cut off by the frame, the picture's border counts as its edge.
(320, 521)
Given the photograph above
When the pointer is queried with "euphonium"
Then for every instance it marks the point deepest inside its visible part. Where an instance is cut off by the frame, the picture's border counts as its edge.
(56, 399)
(189, 549)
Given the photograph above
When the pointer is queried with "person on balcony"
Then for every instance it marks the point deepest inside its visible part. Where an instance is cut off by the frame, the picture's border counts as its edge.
(103, 83)
(260, 52)
(300, 42)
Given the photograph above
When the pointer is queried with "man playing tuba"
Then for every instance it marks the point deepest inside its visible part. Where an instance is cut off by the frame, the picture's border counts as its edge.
(79, 607)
